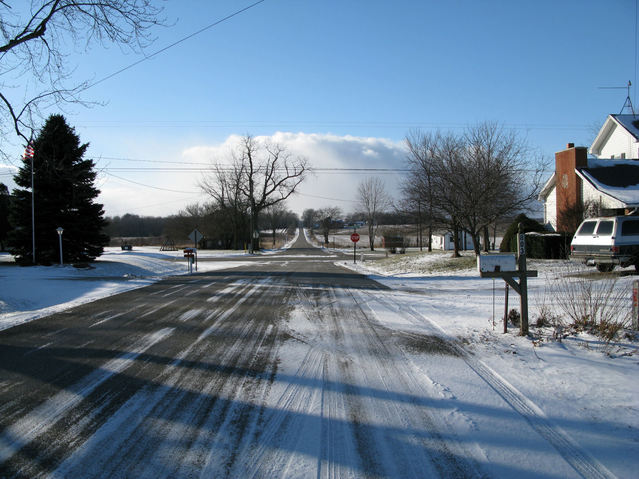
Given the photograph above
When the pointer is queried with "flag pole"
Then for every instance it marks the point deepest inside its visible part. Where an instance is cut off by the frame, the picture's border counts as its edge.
(32, 215)
(28, 153)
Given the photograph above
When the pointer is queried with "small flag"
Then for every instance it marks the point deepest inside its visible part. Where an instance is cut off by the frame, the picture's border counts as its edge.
(28, 151)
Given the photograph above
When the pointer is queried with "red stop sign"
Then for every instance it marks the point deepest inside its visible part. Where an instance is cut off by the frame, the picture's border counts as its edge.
(355, 237)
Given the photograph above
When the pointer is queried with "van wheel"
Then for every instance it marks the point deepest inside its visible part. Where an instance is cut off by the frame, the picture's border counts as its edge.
(605, 267)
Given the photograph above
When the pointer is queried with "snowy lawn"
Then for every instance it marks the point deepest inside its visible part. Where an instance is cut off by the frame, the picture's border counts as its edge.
(587, 387)
(29, 293)
(32, 292)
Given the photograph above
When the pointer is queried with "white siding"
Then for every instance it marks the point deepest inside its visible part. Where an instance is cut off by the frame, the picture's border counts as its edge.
(620, 143)
(445, 241)
(550, 209)
(590, 194)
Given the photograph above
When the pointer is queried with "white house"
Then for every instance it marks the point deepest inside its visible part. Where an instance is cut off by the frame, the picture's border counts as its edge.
(445, 242)
(618, 138)
(606, 183)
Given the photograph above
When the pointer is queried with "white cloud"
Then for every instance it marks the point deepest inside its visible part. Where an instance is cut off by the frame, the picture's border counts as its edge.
(329, 185)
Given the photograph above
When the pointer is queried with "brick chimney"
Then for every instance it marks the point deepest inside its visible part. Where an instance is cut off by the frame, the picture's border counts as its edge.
(568, 186)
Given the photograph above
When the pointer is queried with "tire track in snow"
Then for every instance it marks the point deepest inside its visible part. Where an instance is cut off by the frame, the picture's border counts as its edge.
(128, 420)
(297, 425)
(446, 454)
(230, 434)
(586, 465)
(170, 410)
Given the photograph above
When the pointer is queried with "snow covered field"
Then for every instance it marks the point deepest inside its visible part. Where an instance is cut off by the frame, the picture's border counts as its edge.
(587, 391)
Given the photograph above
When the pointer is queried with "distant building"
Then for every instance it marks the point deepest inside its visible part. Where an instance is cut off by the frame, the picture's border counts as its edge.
(445, 242)
(606, 183)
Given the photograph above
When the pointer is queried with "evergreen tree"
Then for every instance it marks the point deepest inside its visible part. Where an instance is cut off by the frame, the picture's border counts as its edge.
(64, 197)
(509, 241)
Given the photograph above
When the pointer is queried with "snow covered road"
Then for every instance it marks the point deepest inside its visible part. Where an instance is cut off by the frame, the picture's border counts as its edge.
(288, 367)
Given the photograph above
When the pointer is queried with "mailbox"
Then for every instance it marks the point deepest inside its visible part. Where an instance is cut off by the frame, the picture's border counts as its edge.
(496, 262)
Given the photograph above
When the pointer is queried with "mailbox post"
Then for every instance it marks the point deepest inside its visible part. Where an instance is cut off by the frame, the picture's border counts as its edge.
(190, 254)
(503, 266)
(523, 282)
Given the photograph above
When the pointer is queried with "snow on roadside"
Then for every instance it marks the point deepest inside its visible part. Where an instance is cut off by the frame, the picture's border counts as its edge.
(585, 387)
(33, 292)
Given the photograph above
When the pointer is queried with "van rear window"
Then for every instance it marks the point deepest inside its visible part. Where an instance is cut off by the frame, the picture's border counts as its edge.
(605, 228)
(630, 228)
(587, 228)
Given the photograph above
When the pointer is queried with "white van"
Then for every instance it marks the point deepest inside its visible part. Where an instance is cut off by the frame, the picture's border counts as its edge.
(606, 242)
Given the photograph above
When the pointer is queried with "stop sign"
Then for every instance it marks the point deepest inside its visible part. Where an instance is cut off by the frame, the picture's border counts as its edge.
(355, 237)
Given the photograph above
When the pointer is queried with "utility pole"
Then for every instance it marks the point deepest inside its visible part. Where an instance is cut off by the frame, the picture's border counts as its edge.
(251, 228)
(419, 223)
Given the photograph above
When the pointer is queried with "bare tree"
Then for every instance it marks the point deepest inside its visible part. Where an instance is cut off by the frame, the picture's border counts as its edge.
(260, 175)
(309, 218)
(372, 200)
(273, 217)
(327, 218)
(223, 186)
(418, 188)
(503, 176)
(34, 61)
(447, 185)
(484, 175)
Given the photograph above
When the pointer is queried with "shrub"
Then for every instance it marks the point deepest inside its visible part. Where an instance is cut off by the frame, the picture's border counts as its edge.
(509, 241)
(546, 312)
(547, 246)
(597, 306)
(514, 317)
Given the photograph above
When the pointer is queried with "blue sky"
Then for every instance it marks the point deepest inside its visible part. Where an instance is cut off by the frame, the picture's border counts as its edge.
(342, 82)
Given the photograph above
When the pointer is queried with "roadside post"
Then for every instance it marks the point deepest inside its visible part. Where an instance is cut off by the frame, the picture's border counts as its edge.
(60, 230)
(195, 236)
(189, 254)
(523, 281)
(355, 239)
(506, 309)
(503, 266)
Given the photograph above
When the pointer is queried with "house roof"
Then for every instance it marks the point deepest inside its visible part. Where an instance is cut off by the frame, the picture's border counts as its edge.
(618, 179)
(627, 122)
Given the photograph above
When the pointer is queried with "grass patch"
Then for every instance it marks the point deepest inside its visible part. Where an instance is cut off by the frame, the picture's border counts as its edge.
(425, 262)
(455, 264)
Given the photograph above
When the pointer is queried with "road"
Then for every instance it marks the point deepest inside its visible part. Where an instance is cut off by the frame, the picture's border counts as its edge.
(277, 369)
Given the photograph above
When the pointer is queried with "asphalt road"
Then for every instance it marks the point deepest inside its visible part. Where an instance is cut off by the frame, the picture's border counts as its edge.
(277, 369)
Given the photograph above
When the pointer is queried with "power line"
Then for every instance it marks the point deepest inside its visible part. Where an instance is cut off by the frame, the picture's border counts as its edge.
(151, 161)
(149, 186)
(283, 170)
(325, 198)
(162, 50)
